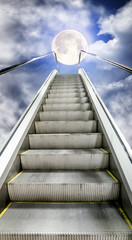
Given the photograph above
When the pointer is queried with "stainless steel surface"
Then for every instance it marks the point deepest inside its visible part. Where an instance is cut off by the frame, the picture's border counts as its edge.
(61, 87)
(67, 84)
(67, 90)
(66, 126)
(70, 81)
(68, 159)
(67, 100)
(63, 186)
(64, 221)
(61, 141)
(4, 197)
(66, 107)
(66, 115)
(126, 68)
(68, 95)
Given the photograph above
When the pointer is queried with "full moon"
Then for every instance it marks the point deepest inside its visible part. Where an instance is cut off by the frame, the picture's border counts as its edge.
(67, 45)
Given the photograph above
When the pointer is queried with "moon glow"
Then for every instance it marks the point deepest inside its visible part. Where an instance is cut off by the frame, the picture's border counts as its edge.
(67, 45)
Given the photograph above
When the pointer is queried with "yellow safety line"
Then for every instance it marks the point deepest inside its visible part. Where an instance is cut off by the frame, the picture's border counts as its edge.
(124, 215)
(112, 175)
(5, 209)
(103, 150)
(25, 151)
(15, 177)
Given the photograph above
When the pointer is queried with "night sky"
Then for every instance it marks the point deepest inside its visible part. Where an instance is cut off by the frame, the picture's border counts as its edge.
(27, 29)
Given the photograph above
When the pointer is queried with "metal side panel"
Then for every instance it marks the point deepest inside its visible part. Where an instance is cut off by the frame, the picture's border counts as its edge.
(89, 221)
(62, 141)
(67, 159)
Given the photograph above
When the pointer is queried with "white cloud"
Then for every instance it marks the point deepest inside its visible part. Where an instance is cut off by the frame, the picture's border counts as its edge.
(72, 3)
(118, 98)
(117, 49)
(117, 24)
(10, 106)
(28, 29)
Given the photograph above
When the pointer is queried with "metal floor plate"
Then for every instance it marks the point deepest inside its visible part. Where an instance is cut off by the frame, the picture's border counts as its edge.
(63, 218)
(64, 186)
(75, 177)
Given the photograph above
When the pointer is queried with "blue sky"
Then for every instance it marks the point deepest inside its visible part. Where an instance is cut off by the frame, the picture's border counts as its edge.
(27, 29)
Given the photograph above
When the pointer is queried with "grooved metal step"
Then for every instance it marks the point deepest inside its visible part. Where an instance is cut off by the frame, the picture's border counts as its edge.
(68, 159)
(66, 126)
(67, 107)
(67, 88)
(67, 84)
(66, 115)
(61, 141)
(61, 79)
(66, 95)
(75, 90)
(70, 100)
(64, 186)
(97, 221)
(68, 81)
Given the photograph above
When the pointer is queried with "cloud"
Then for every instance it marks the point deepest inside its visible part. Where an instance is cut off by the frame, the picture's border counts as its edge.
(114, 90)
(17, 90)
(28, 28)
(117, 24)
(118, 99)
(72, 3)
(119, 27)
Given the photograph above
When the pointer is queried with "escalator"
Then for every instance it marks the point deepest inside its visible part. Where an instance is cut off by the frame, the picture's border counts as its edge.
(65, 187)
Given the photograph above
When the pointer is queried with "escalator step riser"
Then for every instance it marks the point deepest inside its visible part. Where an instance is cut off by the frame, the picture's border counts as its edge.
(66, 127)
(68, 141)
(65, 159)
(66, 95)
(64, 192)
(65, 100)
(66, 115)
(74, 90)
(67, 107)
(64, 186)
